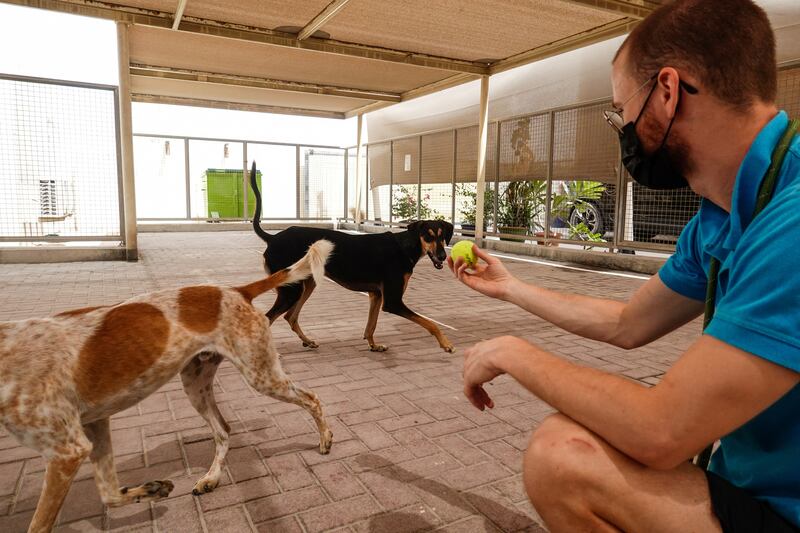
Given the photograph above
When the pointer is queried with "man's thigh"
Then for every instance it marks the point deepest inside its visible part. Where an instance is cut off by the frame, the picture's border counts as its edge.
(616, 488)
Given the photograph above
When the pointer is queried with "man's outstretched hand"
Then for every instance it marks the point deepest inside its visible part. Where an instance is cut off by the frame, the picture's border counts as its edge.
(491, 278)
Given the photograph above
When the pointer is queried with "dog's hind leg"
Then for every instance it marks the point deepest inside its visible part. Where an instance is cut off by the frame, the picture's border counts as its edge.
(260, 365)
(375, 301)
(288, 295)
(198, 383)
(105, 474)
(294, 313)
(287, 391)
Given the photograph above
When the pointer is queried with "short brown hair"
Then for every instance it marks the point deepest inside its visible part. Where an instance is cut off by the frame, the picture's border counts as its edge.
(728, 44)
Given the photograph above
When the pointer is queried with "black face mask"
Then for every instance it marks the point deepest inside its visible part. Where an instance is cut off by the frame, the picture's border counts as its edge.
(656, 170)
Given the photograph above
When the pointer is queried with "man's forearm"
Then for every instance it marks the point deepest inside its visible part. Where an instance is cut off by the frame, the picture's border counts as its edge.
(623, 413)
(592, 318)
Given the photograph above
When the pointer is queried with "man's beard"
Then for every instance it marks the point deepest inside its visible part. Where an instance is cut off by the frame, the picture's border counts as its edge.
(652, 133)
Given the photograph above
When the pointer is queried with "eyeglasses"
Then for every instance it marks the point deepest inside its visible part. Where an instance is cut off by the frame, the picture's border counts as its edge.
(614, 116)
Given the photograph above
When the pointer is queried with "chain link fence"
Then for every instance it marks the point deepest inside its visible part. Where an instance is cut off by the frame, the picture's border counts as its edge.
(59, 161)
(552, 178)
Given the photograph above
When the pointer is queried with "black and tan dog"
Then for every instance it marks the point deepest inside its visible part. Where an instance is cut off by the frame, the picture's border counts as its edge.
(379, 264)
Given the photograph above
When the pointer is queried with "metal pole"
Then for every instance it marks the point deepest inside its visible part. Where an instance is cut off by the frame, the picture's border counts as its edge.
(619, 209)
(297, 182)
(496, 197)
(359, 142)
(126, 137)
(245, 188)
(186, 178)
(550, 150)
(419, 179)
(453, 177)
(483, 125)
(391, 181)
(346, 171)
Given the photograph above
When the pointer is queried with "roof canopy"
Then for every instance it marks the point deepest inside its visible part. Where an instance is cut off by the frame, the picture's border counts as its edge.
(340, 58)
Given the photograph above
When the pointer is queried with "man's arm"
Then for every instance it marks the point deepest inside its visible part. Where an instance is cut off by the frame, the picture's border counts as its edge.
(653, 311)
(713, 389)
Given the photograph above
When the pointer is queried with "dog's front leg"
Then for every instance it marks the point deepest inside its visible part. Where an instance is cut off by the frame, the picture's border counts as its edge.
(61, 469)
(375, 300)
(393, 303)
(105, 474)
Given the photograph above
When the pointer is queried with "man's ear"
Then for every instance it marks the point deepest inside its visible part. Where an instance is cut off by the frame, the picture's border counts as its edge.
(414, 226)
(448, 231)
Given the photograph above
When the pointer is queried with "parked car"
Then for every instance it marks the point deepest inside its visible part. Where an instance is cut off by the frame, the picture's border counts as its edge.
(658, 216)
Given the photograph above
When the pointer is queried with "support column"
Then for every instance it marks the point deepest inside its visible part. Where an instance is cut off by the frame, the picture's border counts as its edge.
(359, 142)
(126, 143)
(483, 130)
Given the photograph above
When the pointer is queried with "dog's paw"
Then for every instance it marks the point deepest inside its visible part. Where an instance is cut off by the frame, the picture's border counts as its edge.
(449, 349)
(378, 347)
(150, 491)
(325, 442)
(310, 344)
(204, 485)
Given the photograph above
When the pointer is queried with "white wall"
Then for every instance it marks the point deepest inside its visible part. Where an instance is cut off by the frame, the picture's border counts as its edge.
(578, 76)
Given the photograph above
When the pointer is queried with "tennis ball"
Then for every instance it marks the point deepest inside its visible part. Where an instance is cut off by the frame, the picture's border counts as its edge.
(463, 249)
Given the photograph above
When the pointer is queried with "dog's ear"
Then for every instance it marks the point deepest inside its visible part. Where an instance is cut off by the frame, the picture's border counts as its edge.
(448, 231)
(414, 226)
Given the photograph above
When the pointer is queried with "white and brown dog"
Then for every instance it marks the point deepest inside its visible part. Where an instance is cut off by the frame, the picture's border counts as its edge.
(62, 377)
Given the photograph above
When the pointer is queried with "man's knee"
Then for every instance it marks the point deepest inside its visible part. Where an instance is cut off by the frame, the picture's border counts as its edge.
(560, 455)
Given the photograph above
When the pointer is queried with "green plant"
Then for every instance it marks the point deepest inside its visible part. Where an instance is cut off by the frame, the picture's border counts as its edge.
(469, 206)
(521, 203)
(575, 196)
(404, 204)
(581, 232)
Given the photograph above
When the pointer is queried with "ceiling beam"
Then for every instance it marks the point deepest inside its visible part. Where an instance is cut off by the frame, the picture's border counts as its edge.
(159, 19)
(150, 71)
(595, 35)
(236, 106)
(436, 86)
(179, 14)
(323, 18)
(630, 9)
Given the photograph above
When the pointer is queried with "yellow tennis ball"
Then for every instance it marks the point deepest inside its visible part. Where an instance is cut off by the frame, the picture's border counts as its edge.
(463, 249)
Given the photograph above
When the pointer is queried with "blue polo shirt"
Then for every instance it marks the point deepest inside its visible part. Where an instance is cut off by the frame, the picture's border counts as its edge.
(758, 310)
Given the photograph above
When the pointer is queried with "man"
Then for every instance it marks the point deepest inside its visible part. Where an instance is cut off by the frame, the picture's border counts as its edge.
(694, 89)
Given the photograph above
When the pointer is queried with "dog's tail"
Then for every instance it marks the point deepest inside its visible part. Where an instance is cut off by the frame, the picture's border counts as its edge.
(266, 237)
(312, 264)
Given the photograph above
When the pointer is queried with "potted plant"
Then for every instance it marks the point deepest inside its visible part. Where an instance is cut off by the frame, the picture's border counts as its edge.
(469, 206)
(520, 206)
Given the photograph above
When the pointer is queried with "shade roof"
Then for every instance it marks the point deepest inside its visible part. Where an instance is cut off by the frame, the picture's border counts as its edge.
(339, 58)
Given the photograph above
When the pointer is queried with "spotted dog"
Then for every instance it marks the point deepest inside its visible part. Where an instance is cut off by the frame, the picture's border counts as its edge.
(64, 376)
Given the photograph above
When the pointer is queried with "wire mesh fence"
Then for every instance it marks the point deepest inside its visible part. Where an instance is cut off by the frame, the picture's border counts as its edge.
(59, 167)
(552, 178)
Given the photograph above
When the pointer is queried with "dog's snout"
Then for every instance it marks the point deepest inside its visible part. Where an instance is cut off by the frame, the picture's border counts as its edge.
(441, 255)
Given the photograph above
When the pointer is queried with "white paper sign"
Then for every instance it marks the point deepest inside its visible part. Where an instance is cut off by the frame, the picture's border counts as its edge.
(407, 166)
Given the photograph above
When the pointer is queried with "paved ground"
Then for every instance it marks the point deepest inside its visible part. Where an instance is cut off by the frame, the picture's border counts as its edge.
(409, 453)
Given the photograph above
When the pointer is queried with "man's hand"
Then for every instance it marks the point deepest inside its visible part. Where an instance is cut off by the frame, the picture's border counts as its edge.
(481, 365)
(491, 279)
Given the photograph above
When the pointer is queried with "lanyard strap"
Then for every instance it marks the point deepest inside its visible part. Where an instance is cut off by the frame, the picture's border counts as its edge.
(765, 192)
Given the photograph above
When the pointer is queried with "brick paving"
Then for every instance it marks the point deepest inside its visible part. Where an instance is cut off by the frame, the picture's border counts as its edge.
(409, 453)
